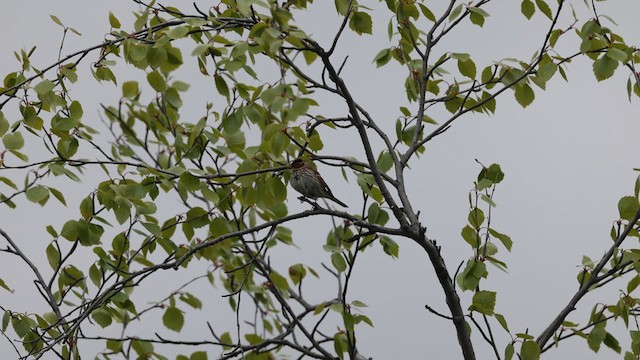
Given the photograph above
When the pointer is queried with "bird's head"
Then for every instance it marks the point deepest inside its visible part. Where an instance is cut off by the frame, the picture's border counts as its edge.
(297, 164)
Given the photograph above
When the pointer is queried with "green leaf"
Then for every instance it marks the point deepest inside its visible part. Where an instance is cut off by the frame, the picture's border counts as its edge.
(456, 12)
(476, 218)
(38, 194)
(487, 74)
(75, 111)
(253, 339)
(524, 95)
(95, 275)
(460, 56)
(478, 10)
(68, 147)
(157, 56)
(604, 67)
(173, 319)
(221, 86)
(284, 234)
(342, 6)
(340, 344)
(364, 318)
(8, 182)
(453, 104)
(113, 21)
(376, 215)
(596, 337)
(132, 190)
(427, 12)
(178, 32)
(51, 231)
(383, 57)
(589, 28)
(385, 161)
(13, 141)
(225, 339)
(58, 195)
(484, 302)
(506, 240)
(44, 87)
(315, 143)
(530, 350)
(232, 123)
(197, 217)
(612, 343)
(493, 173)
(338, 261)
(191, 300)
(156, 81)
(142, 347)
(86, 233)
(279, 281)
(309, 57)
(53, 256)
(5, 286)
(509, 350)
(72, 276)
(102, 317)
(476, 17)
(633, 283)
(297, 272)
(628, 206)
(502, 321)
(546, 10)
(617, 54)
(4, 124)
(389, 246)
(429, 120)
(198, 355)
(467, 68)
(470, 277)
(137, 53)
(358, 303)
(130, 89)
(189, 182)
(173, 97)
(546, 71)
(361, 23)
(56, 20)
(470, 236)
(555, 35)
(103, 73)
(247, 166)
(487, 199)
(86, 207)
(635, 337)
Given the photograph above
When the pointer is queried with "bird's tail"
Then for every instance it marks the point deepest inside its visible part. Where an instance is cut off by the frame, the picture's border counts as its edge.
(333, 198)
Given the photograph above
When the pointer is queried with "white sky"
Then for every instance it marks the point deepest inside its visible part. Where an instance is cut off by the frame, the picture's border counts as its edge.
(568, 158)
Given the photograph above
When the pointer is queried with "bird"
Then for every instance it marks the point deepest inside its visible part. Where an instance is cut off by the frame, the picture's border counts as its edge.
(308, 182)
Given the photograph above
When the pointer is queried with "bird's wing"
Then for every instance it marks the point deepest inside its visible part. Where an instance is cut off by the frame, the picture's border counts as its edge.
(324, 184)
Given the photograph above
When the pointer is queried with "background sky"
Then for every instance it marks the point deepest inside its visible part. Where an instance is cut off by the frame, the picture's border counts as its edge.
(568, 158)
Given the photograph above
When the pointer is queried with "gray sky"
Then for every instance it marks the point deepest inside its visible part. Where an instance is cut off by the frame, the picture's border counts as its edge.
(568, 158)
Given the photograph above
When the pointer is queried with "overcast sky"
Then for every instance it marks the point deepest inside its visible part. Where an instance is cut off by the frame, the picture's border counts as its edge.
(568, 158)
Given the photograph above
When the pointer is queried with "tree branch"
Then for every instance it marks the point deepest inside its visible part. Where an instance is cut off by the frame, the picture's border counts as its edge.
(547, 333)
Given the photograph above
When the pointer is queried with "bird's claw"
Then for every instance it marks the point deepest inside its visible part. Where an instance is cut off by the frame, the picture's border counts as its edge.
(312, 203)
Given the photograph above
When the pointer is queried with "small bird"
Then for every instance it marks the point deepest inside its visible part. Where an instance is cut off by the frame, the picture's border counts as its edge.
(309, 183)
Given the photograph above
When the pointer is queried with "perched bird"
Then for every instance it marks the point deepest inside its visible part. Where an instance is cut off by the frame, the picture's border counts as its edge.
(309, 183)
